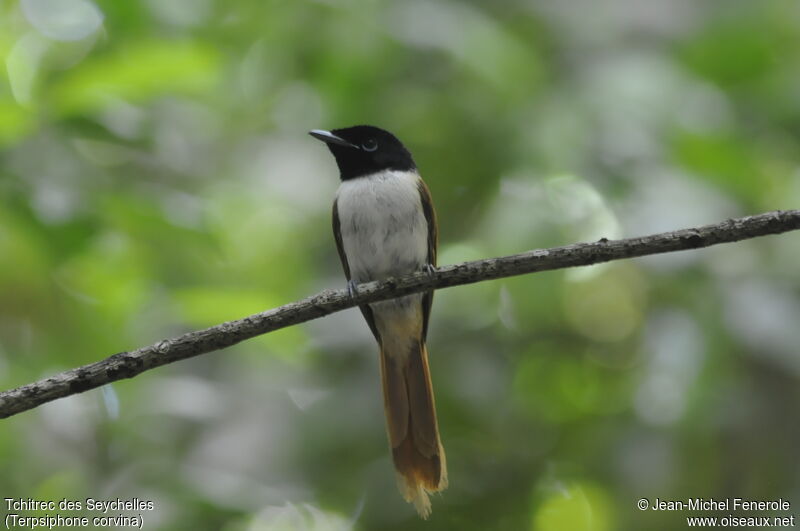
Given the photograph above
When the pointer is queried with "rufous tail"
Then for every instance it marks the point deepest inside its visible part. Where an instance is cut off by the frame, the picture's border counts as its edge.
(411, 424)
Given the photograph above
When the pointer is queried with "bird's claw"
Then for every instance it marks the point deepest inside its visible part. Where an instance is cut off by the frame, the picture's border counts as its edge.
(430, 269)
(352, 288)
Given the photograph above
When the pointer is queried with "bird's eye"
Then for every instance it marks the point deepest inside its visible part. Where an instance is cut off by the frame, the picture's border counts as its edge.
(369, 145)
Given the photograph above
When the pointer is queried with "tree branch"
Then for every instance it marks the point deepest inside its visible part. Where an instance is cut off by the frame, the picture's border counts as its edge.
(134, 362)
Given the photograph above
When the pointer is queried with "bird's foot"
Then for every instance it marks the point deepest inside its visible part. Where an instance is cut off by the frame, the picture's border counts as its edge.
(352, 288)
(430, 269)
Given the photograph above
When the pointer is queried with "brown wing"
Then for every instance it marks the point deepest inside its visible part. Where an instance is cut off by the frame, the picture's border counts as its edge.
(433, 243)
(337, 234)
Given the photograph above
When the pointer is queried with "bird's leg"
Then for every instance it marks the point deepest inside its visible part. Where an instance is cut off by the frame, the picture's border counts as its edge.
(430, 269)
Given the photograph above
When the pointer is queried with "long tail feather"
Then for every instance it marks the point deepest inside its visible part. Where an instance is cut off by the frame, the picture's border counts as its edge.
(417, 452)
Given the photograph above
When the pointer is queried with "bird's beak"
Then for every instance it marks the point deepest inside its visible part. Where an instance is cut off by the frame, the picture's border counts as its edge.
(330, 138)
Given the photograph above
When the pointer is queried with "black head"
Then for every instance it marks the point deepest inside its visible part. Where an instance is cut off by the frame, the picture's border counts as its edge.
(364, 149)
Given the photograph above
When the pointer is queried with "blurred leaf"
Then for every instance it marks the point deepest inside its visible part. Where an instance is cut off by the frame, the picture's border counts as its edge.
(66, 483)
(578, 507)
(205, 306)
(608, 306)
(15, 122)
(554, 384)
(23, 266)
(727, 162)
(208, 306)
(111, 275)
(736, 49)
(136, 72)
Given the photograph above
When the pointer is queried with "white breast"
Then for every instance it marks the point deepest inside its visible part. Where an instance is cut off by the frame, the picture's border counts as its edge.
(383, 227)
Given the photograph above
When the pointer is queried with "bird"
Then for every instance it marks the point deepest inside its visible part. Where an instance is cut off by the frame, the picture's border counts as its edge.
(385, 226)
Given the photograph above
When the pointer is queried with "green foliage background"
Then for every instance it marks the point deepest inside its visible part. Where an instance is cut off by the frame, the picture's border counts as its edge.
(156, 177)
